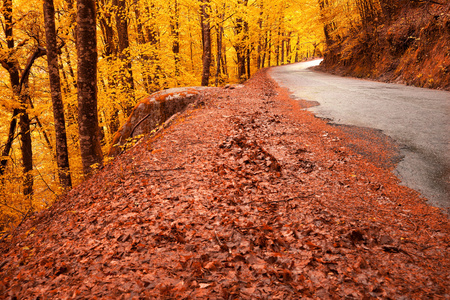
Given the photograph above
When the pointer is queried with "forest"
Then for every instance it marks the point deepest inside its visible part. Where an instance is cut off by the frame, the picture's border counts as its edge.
(72, 71)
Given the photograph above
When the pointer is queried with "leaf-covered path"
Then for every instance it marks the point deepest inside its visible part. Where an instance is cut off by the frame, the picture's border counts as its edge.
(245, 197)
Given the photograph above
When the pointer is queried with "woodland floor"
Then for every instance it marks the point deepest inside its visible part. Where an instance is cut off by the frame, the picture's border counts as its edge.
(245, 197)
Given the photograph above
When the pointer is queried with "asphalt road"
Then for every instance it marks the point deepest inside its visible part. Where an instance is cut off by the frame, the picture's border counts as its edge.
(417, 119)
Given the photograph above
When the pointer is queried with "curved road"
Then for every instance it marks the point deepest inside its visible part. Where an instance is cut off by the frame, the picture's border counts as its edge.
(417, 119)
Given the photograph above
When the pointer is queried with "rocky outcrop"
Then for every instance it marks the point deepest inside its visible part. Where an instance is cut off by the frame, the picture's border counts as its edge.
(153, 111)
(410, 49)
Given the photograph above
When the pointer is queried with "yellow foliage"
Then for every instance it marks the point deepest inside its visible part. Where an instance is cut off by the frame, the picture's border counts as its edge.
(276, 32)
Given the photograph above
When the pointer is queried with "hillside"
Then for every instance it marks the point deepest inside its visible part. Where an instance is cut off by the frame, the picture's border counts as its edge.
(413, 47)
(245, 197)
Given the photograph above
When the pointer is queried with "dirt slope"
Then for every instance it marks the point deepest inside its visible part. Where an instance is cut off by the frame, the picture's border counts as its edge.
(247, 197)
(413, 48)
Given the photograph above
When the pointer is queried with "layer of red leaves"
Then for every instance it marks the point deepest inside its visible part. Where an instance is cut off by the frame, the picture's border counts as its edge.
(248, 197)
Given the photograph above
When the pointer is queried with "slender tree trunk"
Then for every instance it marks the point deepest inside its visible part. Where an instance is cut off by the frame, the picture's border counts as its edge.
(175, 28)
(110, 53)
(73, 16)
(263, 59)
(219, 52)
(289, 48)
(91, 153)
(240, 54)
(260, 37)
(69, 66)
(17, 82)
(124, 43)
(191, 46)
(148, 34)
(219, 45)
(14, 75)
(242, 30)
(269, 50)
(7, 149)
(224, 58)
(146, 59)
(105, 22)
(24, 124)
(27, 151)
(62, 153)
(277, 50)
(247, 52)
(248, 63)
(65, 82)
(206, 37)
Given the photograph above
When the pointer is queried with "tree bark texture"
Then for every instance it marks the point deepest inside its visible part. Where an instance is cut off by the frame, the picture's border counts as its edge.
(219, 52)
(175, 30)
(240, 50)
(206, 35)
(62, 153)
(91, 153)
(241, 53)
(109, 53)
(104, 19)
(27, 152)
(126, 79)
(12, 66)
(24, 123)
(14, 75)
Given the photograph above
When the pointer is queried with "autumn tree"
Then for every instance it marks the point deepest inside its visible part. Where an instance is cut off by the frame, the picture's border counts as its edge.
(91, 152)
(144, 46)
(126, 74)
(62, 153)
(19, 86)
(175, 30)
(206, 41)
(241, 27)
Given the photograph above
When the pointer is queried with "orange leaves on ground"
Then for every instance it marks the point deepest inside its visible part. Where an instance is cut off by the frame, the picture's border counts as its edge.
(262, 201)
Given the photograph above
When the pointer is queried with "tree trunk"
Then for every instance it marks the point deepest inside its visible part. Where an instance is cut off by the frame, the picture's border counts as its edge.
(110, 53)
(288, 48)
(12, 66)
(27, 151)
(9, 141)
(224, 59)
(124, 43)
(277, 49)
(266, 43)
(219, 52)
(72, 17)
(247, 52)
(91, 153)
(241, 53)
(147, 79)
(105, 22)
(69, 65)
(14, 75)
(219, 45)
(62, 153)
(206, 37)
(260, 37)
(175, 28)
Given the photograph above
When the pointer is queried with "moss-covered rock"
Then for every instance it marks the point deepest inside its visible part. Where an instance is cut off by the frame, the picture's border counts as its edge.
(151, 112)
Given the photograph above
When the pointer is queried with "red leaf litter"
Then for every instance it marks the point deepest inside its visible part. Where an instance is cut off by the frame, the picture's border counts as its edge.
(246, 196)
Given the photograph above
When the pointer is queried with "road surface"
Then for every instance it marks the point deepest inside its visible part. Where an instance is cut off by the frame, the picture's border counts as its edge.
(417, 119)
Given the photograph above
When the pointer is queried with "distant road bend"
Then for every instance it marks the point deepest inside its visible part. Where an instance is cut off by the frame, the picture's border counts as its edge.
(417, 119)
